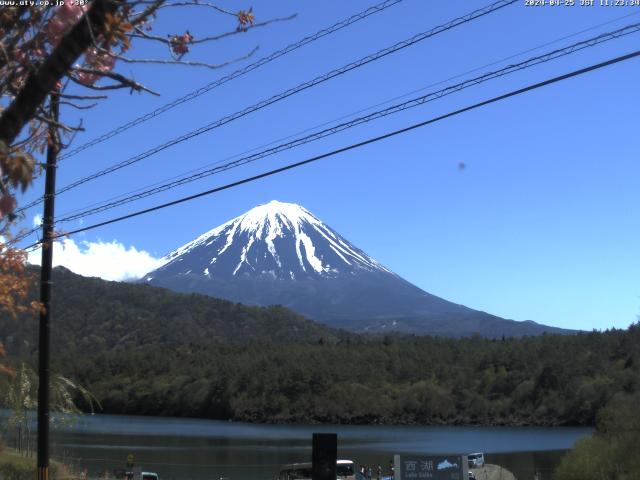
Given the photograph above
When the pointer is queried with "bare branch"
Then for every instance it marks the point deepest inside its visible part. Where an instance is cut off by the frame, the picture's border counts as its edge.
(99, 87)
(141, 34)
(243, 30)
(184, 62)
(73, 137)
(78, 107)
(94, 41)
(83, 97)
(59, 125)
(25, 142)
(126, 82)
(147, 12)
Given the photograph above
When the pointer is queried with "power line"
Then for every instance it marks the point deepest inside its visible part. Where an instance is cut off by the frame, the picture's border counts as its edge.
(345, 116)
(292, 91)
(394, 133)
(221, 81)
(537, 60)
(159, 187)
(238, 73)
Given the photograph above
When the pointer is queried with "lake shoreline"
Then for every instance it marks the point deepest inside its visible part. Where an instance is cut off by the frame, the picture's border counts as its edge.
(369, 420)
(199, 449)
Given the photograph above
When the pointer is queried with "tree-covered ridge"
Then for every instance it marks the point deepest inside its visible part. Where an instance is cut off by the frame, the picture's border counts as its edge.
(546, 380)
(91, 315)
(146, 350)
(612, 451)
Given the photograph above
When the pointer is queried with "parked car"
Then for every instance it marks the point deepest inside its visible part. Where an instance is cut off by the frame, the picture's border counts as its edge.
(472, 476)
(476, 460)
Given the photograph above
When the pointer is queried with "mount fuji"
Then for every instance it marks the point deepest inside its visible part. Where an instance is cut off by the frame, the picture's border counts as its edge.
(280, 253)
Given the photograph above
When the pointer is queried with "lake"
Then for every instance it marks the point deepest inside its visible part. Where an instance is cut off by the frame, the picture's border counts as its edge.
(196, 449)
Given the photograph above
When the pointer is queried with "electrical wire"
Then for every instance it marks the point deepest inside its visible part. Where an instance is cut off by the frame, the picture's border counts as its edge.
(238, 73)
(553, 55)
(221, 81)
(179, 180)
(345, 116)
(353, 146)
(493, 7)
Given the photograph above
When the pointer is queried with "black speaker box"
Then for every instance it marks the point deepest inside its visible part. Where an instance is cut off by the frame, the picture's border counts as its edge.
(324, 456)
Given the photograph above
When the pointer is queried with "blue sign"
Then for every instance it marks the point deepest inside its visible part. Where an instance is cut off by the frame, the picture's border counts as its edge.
(431, 467)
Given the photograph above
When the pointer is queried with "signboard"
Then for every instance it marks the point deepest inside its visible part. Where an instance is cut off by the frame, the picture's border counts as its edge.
(431, 467)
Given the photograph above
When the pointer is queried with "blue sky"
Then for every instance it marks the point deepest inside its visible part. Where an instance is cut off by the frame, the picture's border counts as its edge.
(542, 224)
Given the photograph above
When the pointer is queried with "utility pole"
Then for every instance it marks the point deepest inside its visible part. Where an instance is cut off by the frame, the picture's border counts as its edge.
(45, 292)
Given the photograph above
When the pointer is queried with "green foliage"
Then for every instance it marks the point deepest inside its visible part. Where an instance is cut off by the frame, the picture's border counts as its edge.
(92, 315)
(17, 471)
(546, 380)
(15, 467)
(612, 452)
(145, 350)
(22, 399)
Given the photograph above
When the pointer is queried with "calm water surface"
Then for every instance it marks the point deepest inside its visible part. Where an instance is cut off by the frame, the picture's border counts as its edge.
(184, 449)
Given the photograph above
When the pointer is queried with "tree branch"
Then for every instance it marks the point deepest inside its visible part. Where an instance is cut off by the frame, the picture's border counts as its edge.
(184, 62)
(42, 81)
(127, 82)
(158, 38)
(79, 107)
(59, 125)
(83, 97)
(150, 10)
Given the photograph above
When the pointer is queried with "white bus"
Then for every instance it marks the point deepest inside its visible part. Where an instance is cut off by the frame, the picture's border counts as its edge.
(345, 470)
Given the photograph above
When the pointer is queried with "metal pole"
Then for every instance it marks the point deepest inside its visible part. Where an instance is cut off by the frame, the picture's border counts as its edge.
(45, 295)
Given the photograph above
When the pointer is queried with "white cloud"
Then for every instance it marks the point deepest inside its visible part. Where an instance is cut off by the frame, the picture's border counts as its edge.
(107, 260)
(37, 220)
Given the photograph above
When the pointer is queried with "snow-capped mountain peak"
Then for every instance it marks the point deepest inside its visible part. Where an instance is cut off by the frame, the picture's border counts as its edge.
(277, 239)
(281, 254)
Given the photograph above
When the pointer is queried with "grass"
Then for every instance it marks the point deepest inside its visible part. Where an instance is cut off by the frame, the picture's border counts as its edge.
(14, 466)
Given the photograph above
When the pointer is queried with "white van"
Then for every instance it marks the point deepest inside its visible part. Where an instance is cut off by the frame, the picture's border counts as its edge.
(476, 460)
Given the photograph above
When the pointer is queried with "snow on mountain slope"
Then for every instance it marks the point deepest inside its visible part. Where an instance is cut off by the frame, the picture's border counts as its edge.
(279, 253)
(282, 240)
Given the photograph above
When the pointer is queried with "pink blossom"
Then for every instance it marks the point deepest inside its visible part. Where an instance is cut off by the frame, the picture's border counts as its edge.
(100, 60)
(65, 17)
(54, 30)
(69, 13)
(91, 55)
(87, 78)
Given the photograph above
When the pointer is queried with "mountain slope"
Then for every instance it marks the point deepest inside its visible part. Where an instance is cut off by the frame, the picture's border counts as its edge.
(92, 315)
(279, 253)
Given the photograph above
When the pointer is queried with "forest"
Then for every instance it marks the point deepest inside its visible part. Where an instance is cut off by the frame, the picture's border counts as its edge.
(92, 315)
(544, 380)
(143, 350)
